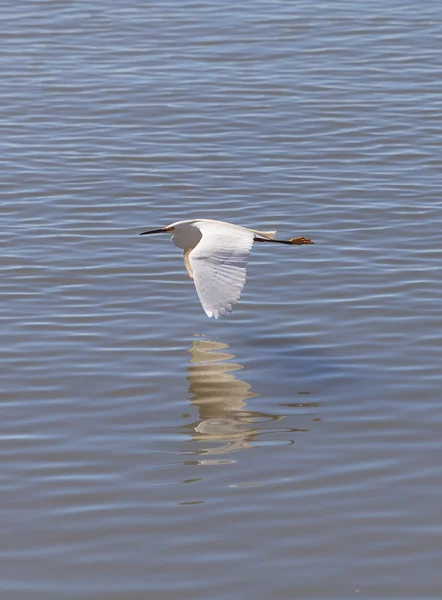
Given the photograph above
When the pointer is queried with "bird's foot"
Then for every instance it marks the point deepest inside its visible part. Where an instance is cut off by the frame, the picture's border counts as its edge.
(301, 240)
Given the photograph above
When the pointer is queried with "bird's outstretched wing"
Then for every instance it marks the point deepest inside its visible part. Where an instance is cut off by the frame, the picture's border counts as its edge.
(219, 266)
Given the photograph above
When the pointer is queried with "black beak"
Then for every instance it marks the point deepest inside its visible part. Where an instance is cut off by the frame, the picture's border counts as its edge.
(154, 231)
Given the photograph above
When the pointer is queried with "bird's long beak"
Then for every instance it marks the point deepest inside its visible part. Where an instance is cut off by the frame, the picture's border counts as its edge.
(164, 230)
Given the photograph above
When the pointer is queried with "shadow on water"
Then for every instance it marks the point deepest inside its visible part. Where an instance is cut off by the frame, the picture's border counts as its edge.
(224, 424)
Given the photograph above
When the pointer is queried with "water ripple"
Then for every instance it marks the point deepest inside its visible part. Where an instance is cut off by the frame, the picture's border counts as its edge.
(146, 449)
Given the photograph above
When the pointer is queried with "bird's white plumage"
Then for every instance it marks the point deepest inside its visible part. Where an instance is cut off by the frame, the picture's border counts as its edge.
(219, 264)
(215, 256)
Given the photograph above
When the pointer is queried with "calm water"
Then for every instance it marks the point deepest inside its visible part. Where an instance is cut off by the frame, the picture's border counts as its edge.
(294, 449)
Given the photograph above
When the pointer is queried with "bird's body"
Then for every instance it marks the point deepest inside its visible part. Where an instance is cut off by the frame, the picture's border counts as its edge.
(215, 256)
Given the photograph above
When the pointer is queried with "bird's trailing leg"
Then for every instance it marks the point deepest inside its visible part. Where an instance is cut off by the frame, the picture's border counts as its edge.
(297, 241)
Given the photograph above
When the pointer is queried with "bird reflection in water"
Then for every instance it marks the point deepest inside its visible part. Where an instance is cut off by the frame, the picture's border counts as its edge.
(221, 398)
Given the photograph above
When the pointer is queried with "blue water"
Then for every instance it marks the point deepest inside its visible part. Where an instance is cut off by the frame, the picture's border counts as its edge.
(305, 427)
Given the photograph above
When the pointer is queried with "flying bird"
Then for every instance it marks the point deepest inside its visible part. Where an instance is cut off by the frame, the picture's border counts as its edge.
(215, 256)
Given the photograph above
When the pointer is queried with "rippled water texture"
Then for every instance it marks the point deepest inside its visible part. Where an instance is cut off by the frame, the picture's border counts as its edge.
(294, 449)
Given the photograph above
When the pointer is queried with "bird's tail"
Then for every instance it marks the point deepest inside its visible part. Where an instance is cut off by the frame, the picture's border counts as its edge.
(269, 235)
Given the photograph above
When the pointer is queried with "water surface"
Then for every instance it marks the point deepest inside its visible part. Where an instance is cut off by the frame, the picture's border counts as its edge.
(292, 450)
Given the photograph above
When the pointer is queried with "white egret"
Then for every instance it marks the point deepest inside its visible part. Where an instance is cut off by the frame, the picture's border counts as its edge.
(215, 256)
